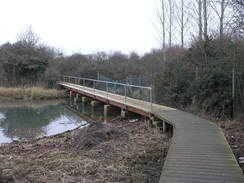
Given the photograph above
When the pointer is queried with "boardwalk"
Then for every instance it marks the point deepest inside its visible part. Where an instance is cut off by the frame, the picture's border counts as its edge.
(199, 152)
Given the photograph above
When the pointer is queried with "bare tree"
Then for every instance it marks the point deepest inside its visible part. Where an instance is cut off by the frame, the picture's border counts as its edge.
(200, 18)
(171, 14)
(161, 24)
(182, 23)
(220, 7)
(182, 20)
(205, 19)
(195, 14)
(28, 37)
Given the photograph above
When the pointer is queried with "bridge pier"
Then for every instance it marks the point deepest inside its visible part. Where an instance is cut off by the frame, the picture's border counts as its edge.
(124, 113)
(84, 99)
(106, 109)
(160, 124)
(70, 94)
(164, 127)
(76, 98)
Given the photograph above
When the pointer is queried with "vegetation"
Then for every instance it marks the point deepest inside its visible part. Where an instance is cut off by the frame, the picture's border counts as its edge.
(31, 93)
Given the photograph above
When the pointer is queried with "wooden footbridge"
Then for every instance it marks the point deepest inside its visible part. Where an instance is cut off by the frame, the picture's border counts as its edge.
(199, 152)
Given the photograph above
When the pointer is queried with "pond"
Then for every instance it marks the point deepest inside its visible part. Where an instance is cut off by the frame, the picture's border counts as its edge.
(19, 120)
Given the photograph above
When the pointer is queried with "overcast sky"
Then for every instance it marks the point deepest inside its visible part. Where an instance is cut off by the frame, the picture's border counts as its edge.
(84, 26)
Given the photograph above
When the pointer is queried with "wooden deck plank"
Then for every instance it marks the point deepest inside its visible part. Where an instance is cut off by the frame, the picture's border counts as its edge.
(199, 151)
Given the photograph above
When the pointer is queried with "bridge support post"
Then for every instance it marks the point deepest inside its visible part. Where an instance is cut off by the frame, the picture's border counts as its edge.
(76, 98)
(124, 113)
(151, 121)
(110, 110)
(84, 99)
(160, 124)
(70, 94)
(164, 127)
(106, 109)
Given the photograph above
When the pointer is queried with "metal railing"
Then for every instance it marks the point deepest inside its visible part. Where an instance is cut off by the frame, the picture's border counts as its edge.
(126, 90)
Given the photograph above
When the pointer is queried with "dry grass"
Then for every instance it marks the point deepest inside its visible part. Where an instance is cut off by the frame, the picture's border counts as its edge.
(30, 93)
(135, 154)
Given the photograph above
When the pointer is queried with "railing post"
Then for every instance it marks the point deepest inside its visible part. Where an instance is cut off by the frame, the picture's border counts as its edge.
(94, 83)
(107, 89)
(151, 100)
(125, 92)
(83, 82)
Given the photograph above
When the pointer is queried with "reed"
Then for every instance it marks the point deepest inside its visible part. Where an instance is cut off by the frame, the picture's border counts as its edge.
(31, 93)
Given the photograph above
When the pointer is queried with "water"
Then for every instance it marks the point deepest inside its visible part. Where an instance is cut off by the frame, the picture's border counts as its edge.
(20, 120)
(93, 113)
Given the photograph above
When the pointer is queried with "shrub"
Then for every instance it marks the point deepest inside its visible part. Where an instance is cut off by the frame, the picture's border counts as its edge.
(212, 93)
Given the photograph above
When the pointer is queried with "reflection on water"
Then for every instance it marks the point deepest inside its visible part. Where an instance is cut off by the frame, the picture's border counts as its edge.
(93, 113)
(20, 120)
(61, 124)
(2, 116)
(29, 120)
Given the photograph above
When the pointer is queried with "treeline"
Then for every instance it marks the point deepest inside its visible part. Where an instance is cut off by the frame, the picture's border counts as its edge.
(201, 79)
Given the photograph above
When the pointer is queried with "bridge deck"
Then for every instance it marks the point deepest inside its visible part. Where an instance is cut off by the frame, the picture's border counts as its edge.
(199, 152)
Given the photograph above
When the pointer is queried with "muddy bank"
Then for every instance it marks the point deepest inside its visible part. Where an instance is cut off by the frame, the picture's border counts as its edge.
(118, 152)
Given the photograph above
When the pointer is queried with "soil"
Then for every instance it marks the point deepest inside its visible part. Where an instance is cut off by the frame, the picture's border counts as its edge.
(114, 152)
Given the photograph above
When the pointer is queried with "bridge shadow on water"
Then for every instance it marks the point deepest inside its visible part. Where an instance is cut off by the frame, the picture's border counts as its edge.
(91, 112)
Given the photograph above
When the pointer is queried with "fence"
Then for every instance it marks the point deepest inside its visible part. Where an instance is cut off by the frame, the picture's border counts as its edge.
(126, 90)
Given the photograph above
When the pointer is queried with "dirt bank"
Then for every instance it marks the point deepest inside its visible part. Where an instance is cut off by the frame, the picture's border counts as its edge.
(118, 152)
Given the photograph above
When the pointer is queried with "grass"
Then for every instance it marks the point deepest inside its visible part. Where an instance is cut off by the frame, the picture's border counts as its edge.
(30, 93)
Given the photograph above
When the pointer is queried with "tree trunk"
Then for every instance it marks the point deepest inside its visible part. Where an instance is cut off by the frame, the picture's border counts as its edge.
(163, 26)
(170, 22)
(182, 23)
(221, 19)
(200, 19)
(205, 16)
